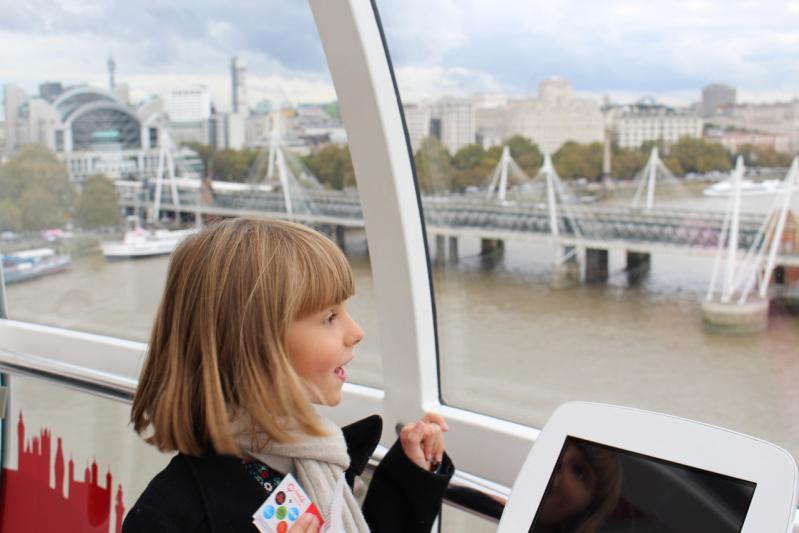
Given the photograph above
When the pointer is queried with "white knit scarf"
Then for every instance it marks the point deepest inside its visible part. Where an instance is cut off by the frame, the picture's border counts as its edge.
(319, 464)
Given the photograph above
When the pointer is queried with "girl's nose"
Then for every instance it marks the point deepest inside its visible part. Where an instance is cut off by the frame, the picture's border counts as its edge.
(355, 333)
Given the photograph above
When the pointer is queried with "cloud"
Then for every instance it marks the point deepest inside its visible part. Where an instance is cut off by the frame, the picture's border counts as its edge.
(667, 49)
(653, 47)
(419, 83)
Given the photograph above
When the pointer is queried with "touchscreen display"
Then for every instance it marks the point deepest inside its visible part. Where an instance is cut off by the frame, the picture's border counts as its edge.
(597, 488)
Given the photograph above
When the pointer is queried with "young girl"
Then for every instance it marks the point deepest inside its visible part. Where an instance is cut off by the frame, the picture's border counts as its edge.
(251, 331)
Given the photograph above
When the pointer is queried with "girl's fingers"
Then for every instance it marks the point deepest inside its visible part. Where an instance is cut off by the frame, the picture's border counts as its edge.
(435, 418)
(411, 438)
(306, 524)
(432, 431)
(423, 441)
(438, 449)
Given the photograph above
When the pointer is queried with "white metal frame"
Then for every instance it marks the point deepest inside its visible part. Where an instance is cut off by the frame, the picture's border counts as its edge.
(665, 437)
(370, 108)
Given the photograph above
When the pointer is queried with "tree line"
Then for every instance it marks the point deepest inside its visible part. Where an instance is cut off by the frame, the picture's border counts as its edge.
(36, 194)
(439, 171)
(471, 165)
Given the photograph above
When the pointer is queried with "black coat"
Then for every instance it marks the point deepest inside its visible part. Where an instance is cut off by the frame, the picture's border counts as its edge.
(216, 494)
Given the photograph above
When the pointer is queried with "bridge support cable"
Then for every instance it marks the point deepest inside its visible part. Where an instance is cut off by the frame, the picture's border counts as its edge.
(506, 168)
(732, 241)
(279, 170)
(739, 309)
(567, 261)
(166, 162)
(789, 186)
(647, 180)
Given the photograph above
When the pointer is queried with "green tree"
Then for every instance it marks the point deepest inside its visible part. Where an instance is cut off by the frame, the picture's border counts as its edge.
(574, 160)
(674, 166)
(10, 216)
(332, 166)
(206, 155)
(763, 156)
(697, 155)
(233, 165)
(470, 167)
(97, 205)
(41, 209)
(526, 154)
(626, 163)
(35, 175)
(433, 166)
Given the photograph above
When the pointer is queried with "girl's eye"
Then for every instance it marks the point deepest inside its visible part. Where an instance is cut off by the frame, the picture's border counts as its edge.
(329, 318)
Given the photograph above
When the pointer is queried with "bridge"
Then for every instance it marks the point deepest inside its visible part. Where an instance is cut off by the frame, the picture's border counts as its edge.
(582, 234)
(595, 227)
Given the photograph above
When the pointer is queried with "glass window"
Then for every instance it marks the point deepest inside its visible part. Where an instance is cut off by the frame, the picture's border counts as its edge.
(560, 272)
(242, 114)
(455, 519)
(71, 452)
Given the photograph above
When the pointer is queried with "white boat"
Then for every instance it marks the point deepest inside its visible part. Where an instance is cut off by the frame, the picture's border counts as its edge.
(32, 264)
(748, 187)
(140, 243)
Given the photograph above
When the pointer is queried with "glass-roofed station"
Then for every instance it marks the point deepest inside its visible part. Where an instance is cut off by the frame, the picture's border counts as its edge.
(539, 203)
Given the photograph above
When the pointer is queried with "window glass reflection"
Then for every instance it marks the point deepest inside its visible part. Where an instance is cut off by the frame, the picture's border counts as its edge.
(114, 145)
(577, 164)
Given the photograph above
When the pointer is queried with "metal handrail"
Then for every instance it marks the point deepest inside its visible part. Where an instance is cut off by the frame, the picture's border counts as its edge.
(88, 380)
(475, 495)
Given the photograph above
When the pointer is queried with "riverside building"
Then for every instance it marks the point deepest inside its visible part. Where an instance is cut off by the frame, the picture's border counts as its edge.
(91, 130)
(633, 125)
(549, 119)
(780, 118)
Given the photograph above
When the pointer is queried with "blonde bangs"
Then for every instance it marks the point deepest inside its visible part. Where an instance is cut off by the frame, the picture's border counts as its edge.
(322, 278)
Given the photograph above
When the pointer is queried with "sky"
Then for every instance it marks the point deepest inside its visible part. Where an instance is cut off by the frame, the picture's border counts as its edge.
(624, 49)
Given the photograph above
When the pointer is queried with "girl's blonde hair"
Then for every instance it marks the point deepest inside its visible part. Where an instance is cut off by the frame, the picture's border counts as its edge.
(217, 347)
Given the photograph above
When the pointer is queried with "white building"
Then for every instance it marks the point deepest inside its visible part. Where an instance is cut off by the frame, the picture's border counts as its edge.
(417, 120)
(189, 110)
(550, 119)
(227, 131)
(781, 118)
(733, 140)
(89, 129)
(633, 125)
(452, 121)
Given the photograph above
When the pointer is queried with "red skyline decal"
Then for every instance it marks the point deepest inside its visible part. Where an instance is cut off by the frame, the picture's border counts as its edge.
(28, 502)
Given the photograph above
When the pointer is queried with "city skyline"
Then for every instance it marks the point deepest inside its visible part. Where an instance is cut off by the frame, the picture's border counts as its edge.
(667, 51)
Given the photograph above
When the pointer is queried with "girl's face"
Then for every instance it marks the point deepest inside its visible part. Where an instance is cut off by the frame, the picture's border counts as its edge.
(319, 346)
(571, 490)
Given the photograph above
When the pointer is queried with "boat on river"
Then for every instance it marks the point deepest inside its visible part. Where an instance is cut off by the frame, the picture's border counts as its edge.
(748, 187)
(141, 243)
(31, 264)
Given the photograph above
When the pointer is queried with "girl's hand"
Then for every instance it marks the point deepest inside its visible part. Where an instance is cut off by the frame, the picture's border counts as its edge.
(306, 524)
(423, 441)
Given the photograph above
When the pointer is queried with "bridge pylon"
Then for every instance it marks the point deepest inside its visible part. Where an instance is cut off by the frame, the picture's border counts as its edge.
(166, 165)
(738, 301)
(566, 263)
(278, 169)
(499, 178)
(647, 179)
